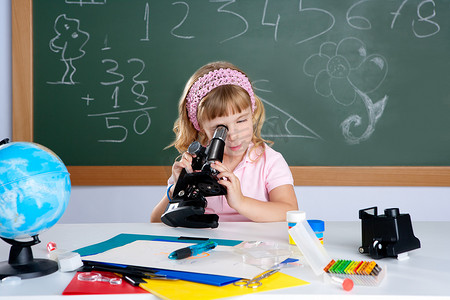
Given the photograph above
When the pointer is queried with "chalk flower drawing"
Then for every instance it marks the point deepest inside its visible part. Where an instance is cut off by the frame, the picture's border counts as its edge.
(345, 72)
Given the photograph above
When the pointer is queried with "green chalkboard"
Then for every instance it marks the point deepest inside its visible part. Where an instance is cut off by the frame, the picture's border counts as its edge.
(344, 83)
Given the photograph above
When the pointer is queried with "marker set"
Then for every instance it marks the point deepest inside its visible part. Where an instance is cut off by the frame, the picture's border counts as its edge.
(361, 272)
(367, 273)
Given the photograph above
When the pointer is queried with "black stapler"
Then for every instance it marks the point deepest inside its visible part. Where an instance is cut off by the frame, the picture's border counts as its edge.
(387, 235)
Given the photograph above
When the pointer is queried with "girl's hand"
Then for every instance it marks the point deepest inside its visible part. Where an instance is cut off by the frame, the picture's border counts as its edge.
(184, 163)
(231, 183)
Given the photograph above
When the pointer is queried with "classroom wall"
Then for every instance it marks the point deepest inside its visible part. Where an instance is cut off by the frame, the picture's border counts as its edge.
(134, 203)
(5, 69)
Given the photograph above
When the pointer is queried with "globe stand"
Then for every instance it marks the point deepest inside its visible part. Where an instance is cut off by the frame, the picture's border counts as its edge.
(21, 262)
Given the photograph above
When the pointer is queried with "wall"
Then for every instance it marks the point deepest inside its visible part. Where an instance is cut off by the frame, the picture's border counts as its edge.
(5, 70)
(134, 203)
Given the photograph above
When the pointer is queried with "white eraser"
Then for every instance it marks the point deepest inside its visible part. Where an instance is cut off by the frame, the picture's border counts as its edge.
(69, 261)
(53, 255)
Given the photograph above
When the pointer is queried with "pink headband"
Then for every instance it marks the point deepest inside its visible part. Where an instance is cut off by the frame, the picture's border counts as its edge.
(210, 81)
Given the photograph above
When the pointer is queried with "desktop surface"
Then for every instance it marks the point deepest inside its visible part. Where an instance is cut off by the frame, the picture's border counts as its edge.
(425, 273)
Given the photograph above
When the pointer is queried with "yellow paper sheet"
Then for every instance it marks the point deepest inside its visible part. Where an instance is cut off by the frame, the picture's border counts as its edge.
(180, 289)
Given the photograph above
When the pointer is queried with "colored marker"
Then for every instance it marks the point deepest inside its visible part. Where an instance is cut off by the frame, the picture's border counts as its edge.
(193, 250)
(345, 266)
(330, 264)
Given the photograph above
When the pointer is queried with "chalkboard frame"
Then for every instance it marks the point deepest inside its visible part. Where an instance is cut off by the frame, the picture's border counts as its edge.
(22, 104)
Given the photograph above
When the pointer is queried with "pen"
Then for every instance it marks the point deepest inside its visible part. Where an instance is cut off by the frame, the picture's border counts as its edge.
(193, 238)
(193, 250)
(134, 281)
(134, 272)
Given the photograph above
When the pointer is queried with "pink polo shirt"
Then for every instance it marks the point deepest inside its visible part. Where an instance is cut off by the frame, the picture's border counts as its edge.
(257, 179)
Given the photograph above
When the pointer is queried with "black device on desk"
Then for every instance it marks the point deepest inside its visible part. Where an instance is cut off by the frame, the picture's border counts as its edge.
(187, 206)
(386, 235)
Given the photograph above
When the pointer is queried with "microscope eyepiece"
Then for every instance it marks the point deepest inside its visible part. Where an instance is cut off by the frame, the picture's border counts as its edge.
(217, 145)
(221, 132)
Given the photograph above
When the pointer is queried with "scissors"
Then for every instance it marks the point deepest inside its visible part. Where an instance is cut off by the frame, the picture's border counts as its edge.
(94, 276)
(256, 281)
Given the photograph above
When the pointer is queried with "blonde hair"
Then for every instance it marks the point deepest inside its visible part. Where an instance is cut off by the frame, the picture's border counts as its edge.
(221, 101)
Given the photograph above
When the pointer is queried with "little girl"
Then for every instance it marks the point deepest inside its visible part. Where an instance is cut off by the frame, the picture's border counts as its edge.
(258, 180)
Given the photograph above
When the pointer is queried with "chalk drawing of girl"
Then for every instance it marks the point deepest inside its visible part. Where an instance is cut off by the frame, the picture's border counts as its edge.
(69, 42)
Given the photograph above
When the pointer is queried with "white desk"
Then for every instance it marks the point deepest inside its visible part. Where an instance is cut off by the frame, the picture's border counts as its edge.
(426, 273)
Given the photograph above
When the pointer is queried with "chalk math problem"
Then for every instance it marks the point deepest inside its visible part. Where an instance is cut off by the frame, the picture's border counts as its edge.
(344, 83)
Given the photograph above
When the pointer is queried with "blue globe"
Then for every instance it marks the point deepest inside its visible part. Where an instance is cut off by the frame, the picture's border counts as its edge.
(34, 189)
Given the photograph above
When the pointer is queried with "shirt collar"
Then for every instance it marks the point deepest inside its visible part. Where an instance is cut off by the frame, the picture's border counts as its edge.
(250, 156)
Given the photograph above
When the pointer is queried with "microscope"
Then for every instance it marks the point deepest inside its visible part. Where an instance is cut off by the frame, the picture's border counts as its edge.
(388, 235)
(187, 206)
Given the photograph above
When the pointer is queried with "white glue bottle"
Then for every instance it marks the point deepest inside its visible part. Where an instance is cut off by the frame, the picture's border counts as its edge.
(307, 241)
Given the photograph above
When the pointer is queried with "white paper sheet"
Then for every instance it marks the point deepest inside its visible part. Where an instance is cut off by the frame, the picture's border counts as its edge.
(154, 254)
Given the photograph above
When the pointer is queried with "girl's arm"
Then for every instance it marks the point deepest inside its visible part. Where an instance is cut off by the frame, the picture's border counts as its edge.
(160, 208)
(184, 163)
